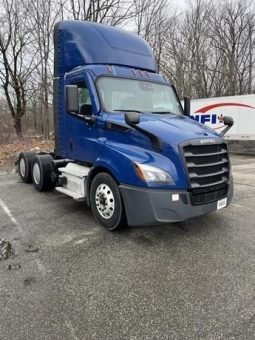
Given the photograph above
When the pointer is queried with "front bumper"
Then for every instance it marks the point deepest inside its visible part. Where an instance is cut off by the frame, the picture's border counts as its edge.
(154, 206)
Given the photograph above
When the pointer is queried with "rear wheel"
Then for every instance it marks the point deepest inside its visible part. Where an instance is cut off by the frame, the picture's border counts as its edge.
(43, 172)
(24, 165)
(106, 202)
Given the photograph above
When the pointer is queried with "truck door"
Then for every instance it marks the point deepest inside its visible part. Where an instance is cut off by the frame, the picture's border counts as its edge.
(81, 131)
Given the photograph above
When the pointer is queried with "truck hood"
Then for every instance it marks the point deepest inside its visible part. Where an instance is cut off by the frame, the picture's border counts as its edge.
(171, 128)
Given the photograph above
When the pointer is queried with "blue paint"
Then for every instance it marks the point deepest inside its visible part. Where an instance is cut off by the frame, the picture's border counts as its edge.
(83, 52)
(85, 43)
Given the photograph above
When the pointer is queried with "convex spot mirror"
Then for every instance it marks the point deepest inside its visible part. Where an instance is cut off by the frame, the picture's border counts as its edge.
(132, 118)
(71, 92)
(227, 120)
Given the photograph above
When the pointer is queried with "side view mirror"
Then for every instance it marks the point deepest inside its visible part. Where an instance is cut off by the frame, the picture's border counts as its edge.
(229, 122)
(71, 93)
(186, 106)
(132, 118)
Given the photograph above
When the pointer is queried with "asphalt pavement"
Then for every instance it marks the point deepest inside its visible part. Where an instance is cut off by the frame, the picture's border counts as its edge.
(71, 279)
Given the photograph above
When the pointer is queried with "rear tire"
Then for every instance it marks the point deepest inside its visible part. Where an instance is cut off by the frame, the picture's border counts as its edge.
(24, 165)
(43, 172)
(106, 202)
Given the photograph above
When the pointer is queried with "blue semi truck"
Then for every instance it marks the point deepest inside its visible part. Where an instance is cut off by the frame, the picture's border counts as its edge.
(123, 142)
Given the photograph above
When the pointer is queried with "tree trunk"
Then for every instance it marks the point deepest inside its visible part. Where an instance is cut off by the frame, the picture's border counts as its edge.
(46, 128)
(18, 128)
(250, 74)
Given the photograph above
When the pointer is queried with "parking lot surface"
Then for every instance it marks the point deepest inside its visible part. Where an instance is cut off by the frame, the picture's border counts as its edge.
(71, 279)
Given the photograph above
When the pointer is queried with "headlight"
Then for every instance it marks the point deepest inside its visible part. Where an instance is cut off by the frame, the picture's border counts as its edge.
(149, 173)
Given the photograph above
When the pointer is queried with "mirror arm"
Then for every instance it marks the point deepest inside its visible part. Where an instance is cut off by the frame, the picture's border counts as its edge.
(132, 119)
(88, 119)
(156, 142)
(227, 128)
(228, 121)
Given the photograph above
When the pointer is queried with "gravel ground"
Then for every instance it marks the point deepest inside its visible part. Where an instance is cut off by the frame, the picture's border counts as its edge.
(71, 279)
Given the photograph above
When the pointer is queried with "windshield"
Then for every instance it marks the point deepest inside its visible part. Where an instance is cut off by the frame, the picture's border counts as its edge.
(119, 94)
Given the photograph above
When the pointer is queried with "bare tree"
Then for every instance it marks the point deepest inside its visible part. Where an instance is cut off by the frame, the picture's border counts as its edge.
(232, 35)
(153, 20)
(210, 49)
(16, 60)
(113, 12)
(190, 60)
(44, 17)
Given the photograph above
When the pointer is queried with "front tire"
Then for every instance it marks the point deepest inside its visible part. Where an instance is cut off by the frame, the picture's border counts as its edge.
(43, 172)
(106, 202)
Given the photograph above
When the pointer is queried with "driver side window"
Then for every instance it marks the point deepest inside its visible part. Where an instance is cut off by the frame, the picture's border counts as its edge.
(84, 100)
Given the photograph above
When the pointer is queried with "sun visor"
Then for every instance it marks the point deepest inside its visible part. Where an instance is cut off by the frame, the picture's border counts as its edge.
(80, 43)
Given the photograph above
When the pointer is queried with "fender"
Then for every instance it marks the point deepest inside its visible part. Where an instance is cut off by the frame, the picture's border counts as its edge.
(118, 159)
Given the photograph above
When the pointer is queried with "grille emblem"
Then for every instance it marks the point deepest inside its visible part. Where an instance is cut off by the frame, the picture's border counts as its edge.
(207, 141)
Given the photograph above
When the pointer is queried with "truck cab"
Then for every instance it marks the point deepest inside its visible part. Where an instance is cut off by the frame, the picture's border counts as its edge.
(123, 142)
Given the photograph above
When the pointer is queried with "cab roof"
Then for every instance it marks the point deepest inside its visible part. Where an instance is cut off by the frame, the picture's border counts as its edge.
(78, 43)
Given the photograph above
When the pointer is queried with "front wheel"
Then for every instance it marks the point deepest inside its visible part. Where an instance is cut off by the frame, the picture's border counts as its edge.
(106, 202)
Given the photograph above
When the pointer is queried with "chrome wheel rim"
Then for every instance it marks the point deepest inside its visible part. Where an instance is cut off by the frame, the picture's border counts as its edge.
(22, 167)
(104, 201)
(36, 173)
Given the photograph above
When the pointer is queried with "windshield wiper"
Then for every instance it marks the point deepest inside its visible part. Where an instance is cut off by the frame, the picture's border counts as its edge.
(154, 112)
(160, 112)
(122, 110)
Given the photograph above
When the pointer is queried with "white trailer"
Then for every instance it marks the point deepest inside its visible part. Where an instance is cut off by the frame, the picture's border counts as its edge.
(210, 111)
